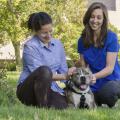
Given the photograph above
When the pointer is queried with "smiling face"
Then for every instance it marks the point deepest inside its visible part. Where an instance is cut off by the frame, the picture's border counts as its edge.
(45, 33)
(96, 20)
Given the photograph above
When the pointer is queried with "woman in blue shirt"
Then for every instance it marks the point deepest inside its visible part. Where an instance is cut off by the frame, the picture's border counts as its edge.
(98, 47)
(44, 66)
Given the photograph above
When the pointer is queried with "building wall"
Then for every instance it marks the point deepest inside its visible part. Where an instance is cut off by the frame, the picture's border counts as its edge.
(111, 4)
(114, 18)
(118, 5)
(113, 7)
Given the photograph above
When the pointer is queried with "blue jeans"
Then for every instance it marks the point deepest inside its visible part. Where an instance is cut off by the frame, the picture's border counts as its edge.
(108, 94)
(35, 90)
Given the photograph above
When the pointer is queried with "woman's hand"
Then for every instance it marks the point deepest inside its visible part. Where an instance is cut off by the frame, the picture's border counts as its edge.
(93, 79)
(71, 71)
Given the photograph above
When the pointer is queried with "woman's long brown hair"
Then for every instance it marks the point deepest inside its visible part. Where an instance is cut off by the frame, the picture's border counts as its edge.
(87, 33)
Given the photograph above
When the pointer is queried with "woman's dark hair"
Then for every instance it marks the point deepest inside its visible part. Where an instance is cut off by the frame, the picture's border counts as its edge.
(87, 33)
(37, 20)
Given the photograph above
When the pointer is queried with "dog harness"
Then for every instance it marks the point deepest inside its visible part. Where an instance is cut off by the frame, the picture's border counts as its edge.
(72, 87)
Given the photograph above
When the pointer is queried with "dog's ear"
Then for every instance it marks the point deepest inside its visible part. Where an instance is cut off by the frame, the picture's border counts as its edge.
(78, 64)
(88, 71)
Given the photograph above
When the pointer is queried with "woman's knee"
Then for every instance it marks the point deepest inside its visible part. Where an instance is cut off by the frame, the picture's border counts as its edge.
(108, 94)
(44, 72)
(107, 98)
(112, 100)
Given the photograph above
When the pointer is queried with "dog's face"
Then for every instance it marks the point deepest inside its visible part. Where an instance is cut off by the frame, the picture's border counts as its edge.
(82, 78)
(80, 84)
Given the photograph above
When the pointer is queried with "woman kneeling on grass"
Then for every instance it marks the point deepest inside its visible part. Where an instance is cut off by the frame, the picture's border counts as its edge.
(44, 63)
(98, 47)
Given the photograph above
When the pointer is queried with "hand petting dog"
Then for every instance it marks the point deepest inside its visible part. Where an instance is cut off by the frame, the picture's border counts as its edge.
(71, 71)
(93, 79)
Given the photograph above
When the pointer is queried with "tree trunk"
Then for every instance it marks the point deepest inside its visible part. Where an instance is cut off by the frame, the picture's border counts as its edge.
(16, 46)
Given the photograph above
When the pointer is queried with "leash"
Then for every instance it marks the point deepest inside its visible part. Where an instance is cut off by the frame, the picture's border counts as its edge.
(82, 102)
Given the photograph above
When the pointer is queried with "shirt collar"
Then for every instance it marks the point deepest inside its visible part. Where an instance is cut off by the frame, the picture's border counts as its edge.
(51, 43)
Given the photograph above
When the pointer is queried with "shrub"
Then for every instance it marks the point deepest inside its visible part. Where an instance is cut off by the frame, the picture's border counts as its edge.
(7, 94)
(11, 66)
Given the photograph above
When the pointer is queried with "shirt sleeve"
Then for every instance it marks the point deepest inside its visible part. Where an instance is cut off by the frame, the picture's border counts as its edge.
(113, 45)
(31, 58)
(80, 47)
(63, 67)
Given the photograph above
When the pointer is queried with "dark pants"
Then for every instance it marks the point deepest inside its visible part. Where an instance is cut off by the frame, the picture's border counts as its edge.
(108, 94)
(35, 90)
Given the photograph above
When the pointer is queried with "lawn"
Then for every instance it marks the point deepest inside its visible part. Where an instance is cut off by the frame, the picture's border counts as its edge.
(19, 111)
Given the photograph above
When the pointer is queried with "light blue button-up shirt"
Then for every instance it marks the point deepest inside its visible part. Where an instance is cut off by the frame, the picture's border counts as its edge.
(36, 54)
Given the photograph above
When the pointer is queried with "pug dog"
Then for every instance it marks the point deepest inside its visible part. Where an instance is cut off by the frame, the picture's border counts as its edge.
(78, 91)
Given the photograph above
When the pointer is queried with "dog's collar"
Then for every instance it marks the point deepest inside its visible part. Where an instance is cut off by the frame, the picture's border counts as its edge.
(78, 91)
(85, 91)
(73, 88)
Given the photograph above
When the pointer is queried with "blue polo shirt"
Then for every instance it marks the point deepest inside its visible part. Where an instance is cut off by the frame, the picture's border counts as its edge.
(36, 54)
(96, 58)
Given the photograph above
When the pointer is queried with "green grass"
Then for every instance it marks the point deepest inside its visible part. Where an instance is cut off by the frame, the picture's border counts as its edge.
(12, 78)
(22, 112)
